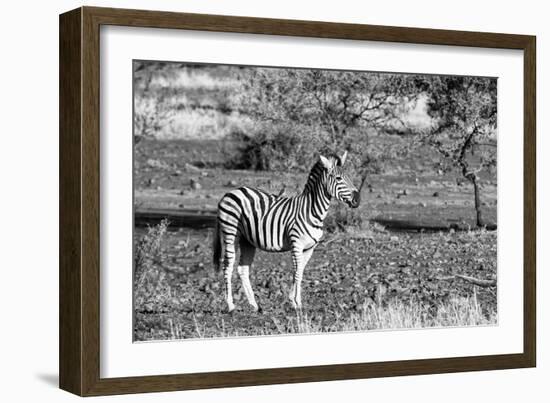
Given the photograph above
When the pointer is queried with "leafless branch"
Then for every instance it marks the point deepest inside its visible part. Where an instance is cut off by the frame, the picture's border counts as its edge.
(476, 281)
(472, 280)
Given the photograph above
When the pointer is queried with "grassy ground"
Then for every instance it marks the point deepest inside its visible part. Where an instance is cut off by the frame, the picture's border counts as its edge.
(362, 278)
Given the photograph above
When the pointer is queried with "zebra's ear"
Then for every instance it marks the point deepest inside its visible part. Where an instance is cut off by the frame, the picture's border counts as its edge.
(343, 158)
(325, 162)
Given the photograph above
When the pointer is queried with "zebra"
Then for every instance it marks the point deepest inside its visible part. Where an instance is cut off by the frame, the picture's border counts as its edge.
(275, 223)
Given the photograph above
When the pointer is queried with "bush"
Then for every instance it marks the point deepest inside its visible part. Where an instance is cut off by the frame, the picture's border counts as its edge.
(151, 115)
(341, 217)
(150, 282)
(277, 147)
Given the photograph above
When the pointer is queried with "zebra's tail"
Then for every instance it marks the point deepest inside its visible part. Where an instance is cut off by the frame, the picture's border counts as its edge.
(217, 247)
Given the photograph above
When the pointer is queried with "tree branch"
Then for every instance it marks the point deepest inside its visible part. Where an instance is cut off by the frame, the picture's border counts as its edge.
(476, 281)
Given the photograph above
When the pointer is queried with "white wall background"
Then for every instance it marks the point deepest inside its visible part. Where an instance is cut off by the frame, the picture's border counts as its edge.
(29, 198)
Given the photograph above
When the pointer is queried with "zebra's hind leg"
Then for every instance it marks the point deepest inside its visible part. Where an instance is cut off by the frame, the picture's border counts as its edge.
(228, 263)
(245, 261)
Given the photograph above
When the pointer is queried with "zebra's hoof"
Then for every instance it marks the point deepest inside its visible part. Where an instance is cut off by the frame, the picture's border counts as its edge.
(297, 307)
(259, 309)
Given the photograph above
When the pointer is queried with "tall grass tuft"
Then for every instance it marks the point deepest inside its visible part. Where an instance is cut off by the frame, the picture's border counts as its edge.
(393, 315)
(397, 314)
(150, 282)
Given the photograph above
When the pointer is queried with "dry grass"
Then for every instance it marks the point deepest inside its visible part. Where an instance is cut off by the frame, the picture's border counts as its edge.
(202, 123)
(150, 283)
(173, 301)
(189, 78)
(394, 315)
(176, 102)
(398, 314)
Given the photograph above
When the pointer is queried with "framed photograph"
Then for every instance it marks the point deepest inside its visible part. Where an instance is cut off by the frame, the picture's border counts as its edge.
(249, 201)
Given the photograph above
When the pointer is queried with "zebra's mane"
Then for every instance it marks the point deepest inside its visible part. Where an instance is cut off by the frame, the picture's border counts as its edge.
(318, 170)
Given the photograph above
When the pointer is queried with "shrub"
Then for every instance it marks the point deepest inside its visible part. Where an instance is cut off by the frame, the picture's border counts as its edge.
(151, 115)
(341, 217)
(150, 282)
(277, 147)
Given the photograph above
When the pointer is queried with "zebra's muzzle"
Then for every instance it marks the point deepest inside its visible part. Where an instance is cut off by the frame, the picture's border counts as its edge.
(355, 200)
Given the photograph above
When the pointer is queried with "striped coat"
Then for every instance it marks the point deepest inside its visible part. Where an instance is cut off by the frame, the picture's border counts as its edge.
(258, 220)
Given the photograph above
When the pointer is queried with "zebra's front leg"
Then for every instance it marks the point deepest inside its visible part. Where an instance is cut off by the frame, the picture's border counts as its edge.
(300, 258)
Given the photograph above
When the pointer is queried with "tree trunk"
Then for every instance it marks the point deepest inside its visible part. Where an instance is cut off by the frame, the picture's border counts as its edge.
(477, 200)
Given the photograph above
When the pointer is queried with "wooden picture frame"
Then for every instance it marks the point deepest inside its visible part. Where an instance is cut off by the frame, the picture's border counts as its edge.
(79, 281)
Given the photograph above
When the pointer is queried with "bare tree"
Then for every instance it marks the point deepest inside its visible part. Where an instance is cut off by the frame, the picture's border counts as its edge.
(464, 113)
(320, 110)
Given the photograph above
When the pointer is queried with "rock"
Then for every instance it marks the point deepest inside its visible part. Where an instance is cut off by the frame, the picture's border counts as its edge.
(156, 164)
(195, 185)
(422, 204)
(436, 194)
(204, 174)
(191, 168)
(231, 183)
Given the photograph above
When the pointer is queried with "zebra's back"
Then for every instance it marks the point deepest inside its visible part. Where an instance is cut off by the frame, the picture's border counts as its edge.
(262, 218)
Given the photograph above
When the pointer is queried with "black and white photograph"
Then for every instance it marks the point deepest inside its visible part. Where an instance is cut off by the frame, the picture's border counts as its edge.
(269, 202)
(273, 200)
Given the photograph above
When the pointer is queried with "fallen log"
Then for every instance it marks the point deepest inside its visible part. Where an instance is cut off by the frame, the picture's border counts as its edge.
(472, 280)
(477, 281)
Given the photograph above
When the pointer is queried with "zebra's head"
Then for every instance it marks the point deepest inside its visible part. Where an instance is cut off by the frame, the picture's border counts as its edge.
(337, 183)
